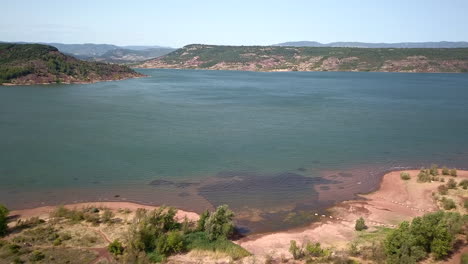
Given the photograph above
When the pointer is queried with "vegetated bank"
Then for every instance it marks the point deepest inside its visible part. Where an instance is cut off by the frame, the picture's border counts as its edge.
(25, 64)
(276, 58)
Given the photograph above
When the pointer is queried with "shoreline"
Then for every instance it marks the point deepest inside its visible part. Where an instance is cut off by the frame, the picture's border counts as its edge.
(394, 201)
(90, 82)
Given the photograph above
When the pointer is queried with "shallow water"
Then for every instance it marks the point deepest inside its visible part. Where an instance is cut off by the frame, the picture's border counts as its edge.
(257, 141)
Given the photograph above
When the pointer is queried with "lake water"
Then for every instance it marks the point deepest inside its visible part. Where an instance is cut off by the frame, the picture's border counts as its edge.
(274, 146)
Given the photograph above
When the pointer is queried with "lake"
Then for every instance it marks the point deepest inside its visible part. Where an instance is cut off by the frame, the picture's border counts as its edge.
(274, 146)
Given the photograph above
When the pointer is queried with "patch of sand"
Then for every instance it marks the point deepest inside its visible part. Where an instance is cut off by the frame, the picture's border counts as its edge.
(395, 201)
(43, 212)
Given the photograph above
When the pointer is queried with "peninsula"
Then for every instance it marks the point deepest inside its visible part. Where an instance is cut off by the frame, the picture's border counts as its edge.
(27, 64)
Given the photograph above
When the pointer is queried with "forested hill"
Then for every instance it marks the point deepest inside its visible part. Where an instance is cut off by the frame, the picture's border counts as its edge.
(277, 58)
(42, 64)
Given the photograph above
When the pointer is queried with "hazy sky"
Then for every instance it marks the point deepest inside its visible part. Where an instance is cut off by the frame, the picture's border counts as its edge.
(177, 23)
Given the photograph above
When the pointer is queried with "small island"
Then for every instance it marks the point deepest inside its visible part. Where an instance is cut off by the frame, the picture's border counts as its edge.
(28, 64)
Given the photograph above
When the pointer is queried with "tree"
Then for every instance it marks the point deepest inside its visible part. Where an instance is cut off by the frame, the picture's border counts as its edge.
(219, 224)
(202, 220)
(360, 224)
(3, 220)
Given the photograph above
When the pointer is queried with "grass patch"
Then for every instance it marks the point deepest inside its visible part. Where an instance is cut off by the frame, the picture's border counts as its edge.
(199, 241)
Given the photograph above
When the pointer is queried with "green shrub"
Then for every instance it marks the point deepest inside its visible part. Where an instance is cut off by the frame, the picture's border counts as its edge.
(202, 220)
(448, 204)
(200, 241)
(115, 248)
(453, 172)
(464, 184)
(434, 170)
(452, 184)
(424, 176)
(465, 203)
(37, 256)
(405, 176)
(464, 258)
(107, 216)
(314, 250)
(3, 220)
(219, 224)
(443, 190)
(360, 224)
(433, 233)
(172, 242)
(295, 251)
(445, 171)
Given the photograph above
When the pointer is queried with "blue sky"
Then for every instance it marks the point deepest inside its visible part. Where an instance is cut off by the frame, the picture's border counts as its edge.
(177, 23)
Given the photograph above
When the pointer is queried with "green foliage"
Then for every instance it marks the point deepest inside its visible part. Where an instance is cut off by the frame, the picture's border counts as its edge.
(405, 176)
(434, 170)
(433, 233)
(314, 250)
(107, 216)
(172, 242)
(464, 184)
(202, 220)
(115, 248)
(452, 184)
(18, 60)
(424, 176)
(295, 251)
(464, 258)
(219, 224)
(200, 241)
(3, 220)
(465, 203)
(453, 172)
(443, 190)
(360, 224)
(448, 204)
(445, 171)
(36, 256)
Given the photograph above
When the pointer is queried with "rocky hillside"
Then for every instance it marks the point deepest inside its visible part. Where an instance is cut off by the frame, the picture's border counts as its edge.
(275, 58)
(22, 64)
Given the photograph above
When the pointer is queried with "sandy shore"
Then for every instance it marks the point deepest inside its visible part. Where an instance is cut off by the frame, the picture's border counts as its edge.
(395, 201)
(44, 211)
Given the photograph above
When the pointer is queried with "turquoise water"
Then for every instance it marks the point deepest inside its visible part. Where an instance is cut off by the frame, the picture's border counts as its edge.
(197, 127)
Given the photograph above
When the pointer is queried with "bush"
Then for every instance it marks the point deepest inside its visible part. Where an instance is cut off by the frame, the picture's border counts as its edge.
(37, 256)
(443, 190)
(115, 248)
(433, 233)
(107, 216)
(170, 243)
(434, 170)
(314, 250)
(219, 224)
(465, 204)
(445, 171)
(464, 258)
(295, 251)
(452, 184)
(405, 176)
(464, 184)
(453, 172)
(448, 204)
(424, 176)
(200, 241)
(202, 220)
(3, 220)
(360, 224)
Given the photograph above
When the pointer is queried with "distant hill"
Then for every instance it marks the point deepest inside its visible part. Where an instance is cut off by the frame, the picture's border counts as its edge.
(108, 52)
(441, 44)
(125, 56)
(277, 58)
(41, 64)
